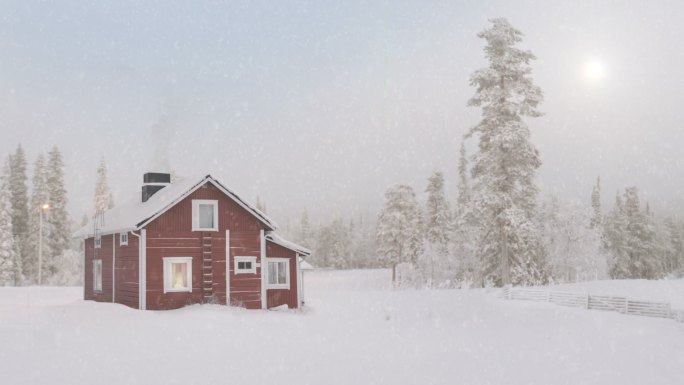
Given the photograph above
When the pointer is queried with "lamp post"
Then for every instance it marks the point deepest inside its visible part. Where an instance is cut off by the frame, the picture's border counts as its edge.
(44, 207)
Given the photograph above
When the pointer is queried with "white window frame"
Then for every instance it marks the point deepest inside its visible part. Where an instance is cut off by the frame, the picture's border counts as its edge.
(238, 259)
(285, 285)
(98, 242)
(168, 261)
(123, 239)
(195, 214)
(97, 275)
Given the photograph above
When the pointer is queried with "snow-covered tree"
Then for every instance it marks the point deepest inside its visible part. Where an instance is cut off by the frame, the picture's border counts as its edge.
(57, 224)
(399, 229)
(573, 247)
(597, 216)
(363, 244)
(503, 188)
(39, 197)
(103, 197)
(19, 199)
(434, 259)
(333, 247)
(614, 242)
(8, 250)
(68, 269)
(644, 261)
(463, 198)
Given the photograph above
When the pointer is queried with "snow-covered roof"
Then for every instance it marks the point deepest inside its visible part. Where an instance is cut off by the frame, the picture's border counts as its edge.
(304, 265)
(135, 214)
(275, 238)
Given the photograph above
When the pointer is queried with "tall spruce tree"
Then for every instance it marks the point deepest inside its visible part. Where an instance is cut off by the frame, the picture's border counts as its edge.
(103, 197)
(643, 261)
(399, 229)
(39, 197)
(597, 216)
(19, 200)
(614, 242)
(463, 186)
(437, 221)
(504, 170)
(58, 225)
(8, 249)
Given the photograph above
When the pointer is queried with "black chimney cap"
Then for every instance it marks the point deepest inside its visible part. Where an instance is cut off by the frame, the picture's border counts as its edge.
(156, 177)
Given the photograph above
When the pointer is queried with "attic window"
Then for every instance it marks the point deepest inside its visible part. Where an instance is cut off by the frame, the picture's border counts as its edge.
(204, 215)
(98, 242)
(123, 239)
(245, 265)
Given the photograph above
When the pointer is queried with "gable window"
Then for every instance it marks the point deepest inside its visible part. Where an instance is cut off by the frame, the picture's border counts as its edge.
(278, 273)
(97, 275)
(204, 215)
(123, 239)
(177, 274)
(98, 242)
(245, 265)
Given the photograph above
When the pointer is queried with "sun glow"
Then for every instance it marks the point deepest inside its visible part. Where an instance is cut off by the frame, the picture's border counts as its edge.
(594, 70)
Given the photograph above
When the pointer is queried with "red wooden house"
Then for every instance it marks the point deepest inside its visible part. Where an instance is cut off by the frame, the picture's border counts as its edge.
(188, 242)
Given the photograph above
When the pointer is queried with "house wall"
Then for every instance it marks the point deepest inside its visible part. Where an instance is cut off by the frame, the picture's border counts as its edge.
(126, 271)
(171, 235)
(278, 297)
(105, 254)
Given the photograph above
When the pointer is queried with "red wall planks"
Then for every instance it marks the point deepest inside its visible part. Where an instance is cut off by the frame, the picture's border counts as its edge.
(278, 297)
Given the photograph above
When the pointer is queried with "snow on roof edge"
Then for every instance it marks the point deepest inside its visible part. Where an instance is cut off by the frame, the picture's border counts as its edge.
(278, 240)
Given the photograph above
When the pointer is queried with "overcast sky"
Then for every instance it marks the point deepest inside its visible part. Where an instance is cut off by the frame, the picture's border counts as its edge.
(324, 104)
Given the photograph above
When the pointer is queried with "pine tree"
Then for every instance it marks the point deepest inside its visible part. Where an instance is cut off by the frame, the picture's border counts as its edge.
(103, 197)
(597, 216)
(39, 197)
(19, 200)
(504, 170)
(615, 230)
(333, 246)
(643, 261)
(463, 186)
(8, 249)
(399, 229)
(57, 224)
(437, 221)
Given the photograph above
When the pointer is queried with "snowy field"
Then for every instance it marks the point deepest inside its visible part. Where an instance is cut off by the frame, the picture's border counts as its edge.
(355, 331)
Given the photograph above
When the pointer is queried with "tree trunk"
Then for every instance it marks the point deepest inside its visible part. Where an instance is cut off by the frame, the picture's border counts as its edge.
(505, 267)
(394, 275)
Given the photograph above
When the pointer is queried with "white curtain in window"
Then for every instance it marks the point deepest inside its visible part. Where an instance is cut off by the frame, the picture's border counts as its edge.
(179, 275)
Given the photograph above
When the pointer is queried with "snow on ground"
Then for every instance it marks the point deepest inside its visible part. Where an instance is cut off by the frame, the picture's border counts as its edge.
(666, 290)
(355, 331)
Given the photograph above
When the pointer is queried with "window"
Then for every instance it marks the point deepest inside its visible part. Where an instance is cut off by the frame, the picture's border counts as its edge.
(279, 273)
(98, 242)
(177, 274)
(204, 215)
(123, 239)
(245, 265)
(97, 275)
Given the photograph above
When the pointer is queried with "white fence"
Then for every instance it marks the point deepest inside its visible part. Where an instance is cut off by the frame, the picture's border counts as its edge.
(597, 302)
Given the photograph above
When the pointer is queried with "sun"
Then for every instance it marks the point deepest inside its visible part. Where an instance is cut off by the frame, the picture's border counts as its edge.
(594, 70)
